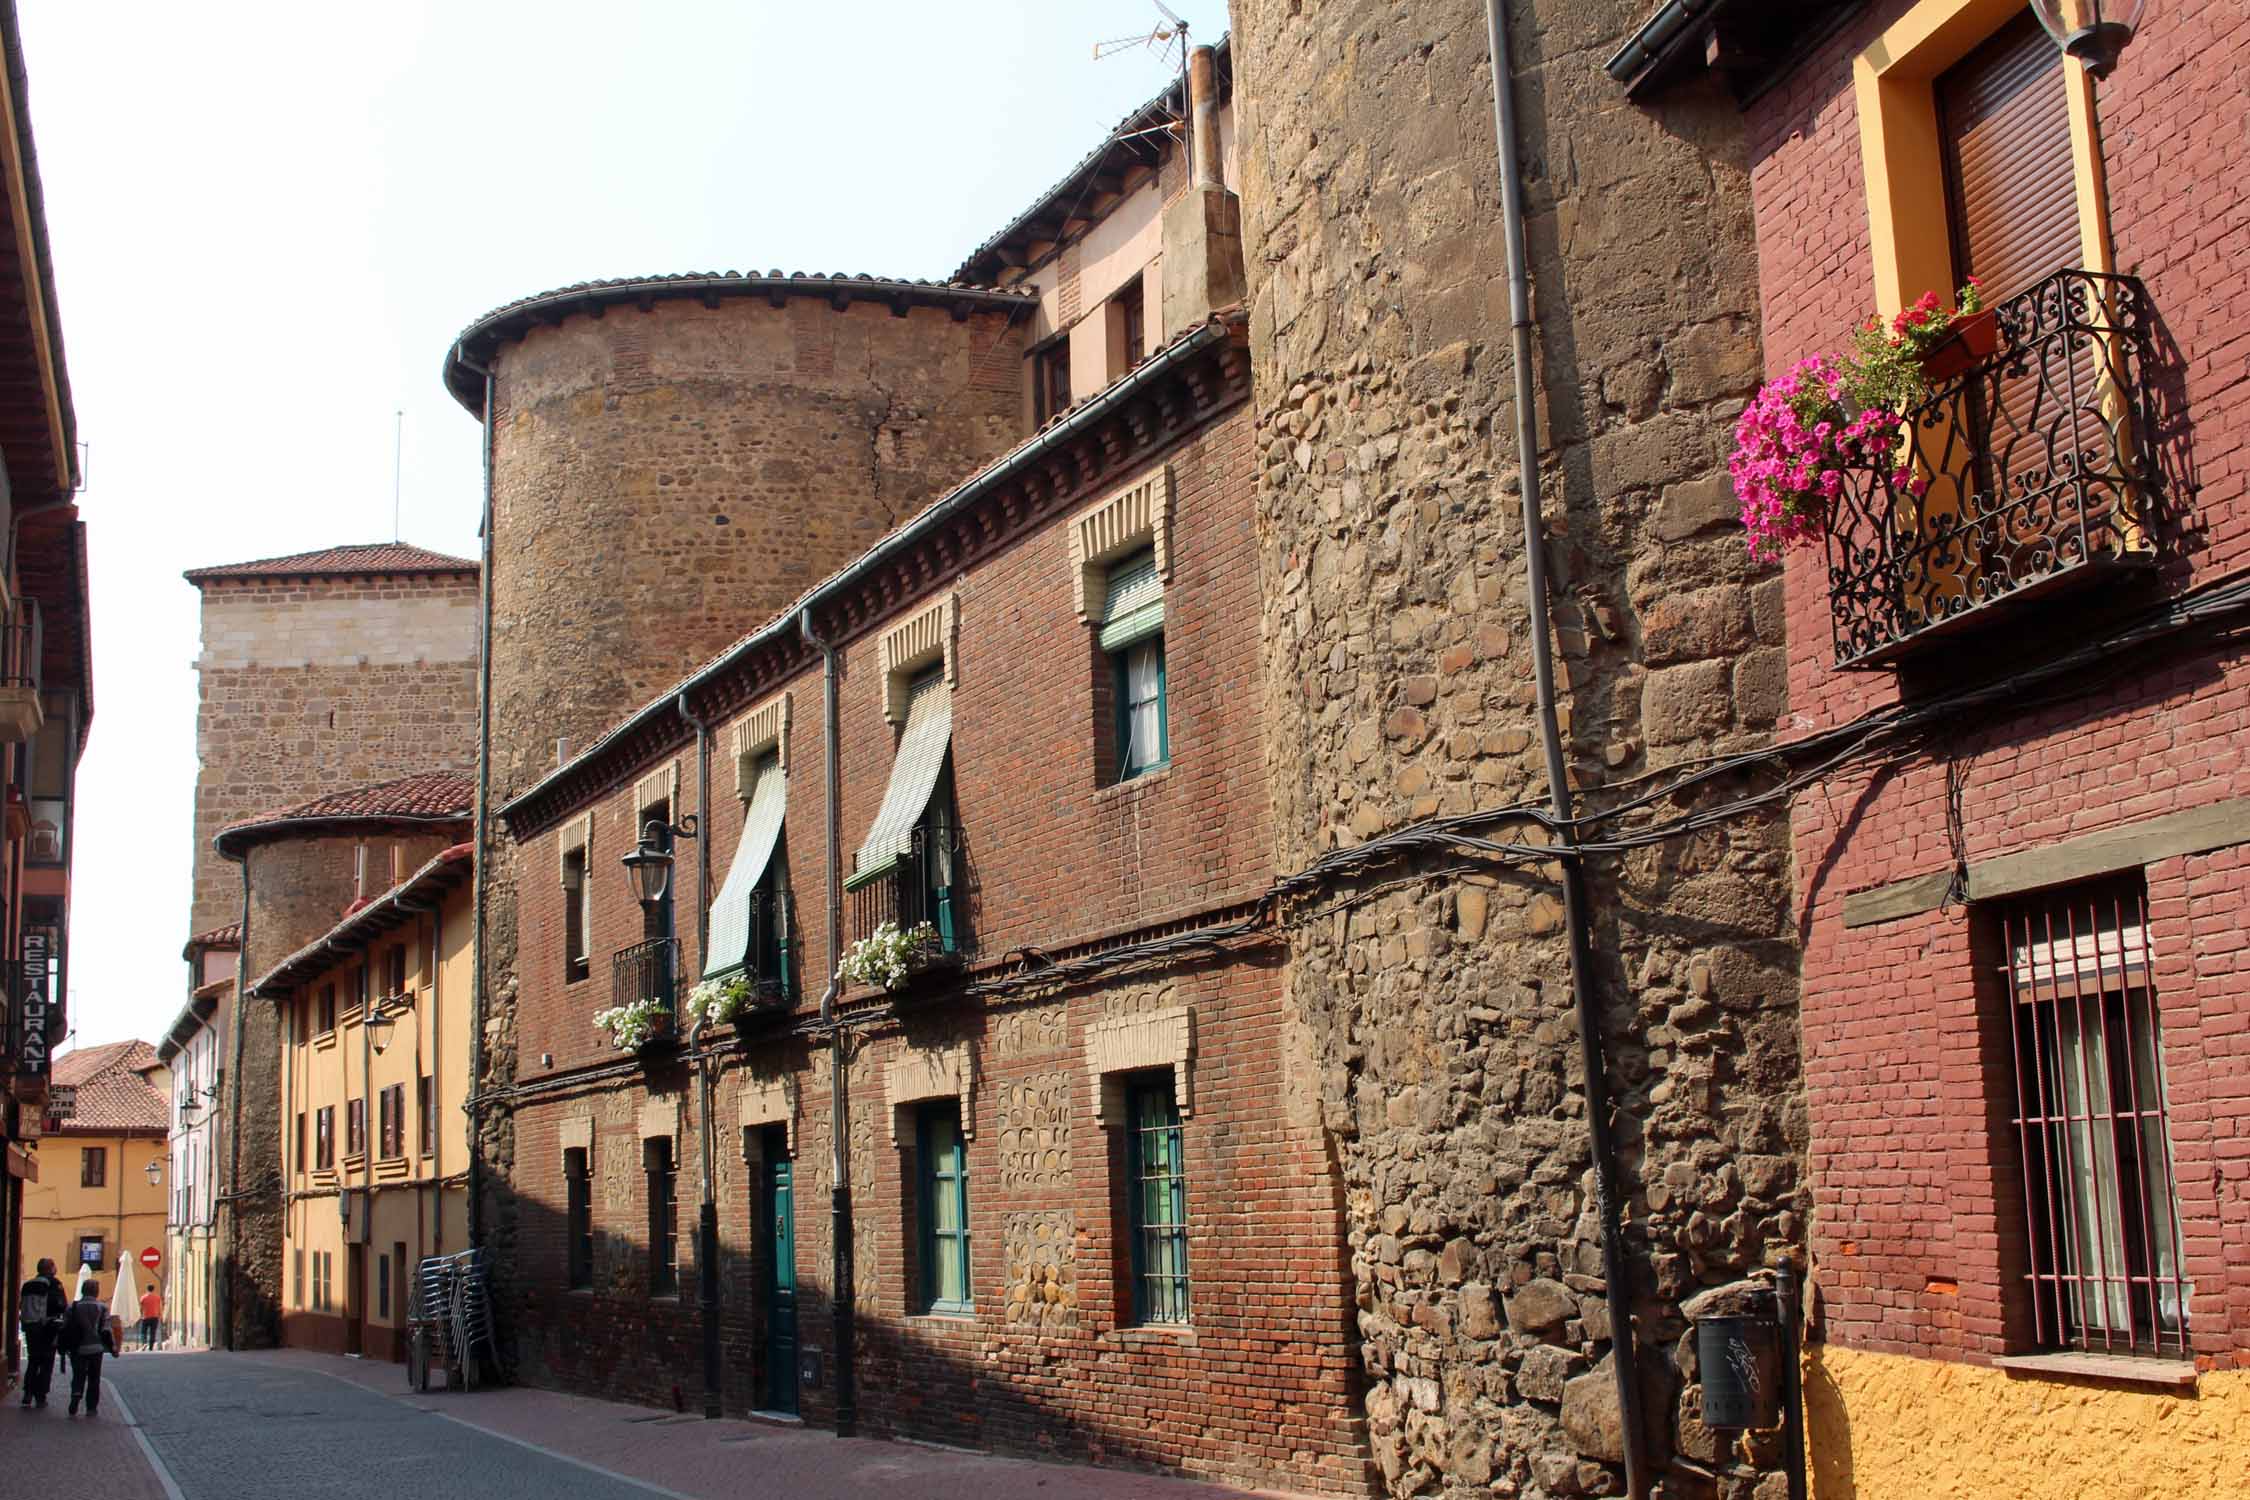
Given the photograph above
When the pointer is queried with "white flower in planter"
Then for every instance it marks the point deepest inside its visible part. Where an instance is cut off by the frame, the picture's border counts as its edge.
(631, 1027)
(884, 957)
(718, 1001)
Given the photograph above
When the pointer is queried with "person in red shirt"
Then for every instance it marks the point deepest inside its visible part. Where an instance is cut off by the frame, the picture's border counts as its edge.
(152, 1316)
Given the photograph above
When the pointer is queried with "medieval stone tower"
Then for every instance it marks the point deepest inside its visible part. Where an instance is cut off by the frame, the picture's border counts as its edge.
(321, 671)
(674, 461)
(1437, 1012)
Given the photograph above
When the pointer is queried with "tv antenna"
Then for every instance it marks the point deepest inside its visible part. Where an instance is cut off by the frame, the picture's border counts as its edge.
(1158, 40)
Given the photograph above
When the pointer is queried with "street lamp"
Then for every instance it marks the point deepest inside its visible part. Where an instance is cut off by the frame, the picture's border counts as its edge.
(649, 865)
(155, 1170)
(379, 1026)
(2093, 31)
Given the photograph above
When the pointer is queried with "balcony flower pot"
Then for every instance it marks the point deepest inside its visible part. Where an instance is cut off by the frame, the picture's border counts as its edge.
(637, 1026)
(1973, 337)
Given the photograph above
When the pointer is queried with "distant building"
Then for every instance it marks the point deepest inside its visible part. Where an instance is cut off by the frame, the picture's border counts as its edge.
(100, 1193)
(194, 1048)
(374, 1019)
(303, 869)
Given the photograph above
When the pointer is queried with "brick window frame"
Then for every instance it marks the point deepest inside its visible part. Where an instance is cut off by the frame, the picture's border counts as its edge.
(927, 637)
(1129, 519)
(762, 731)
(1120, 1046)
(769, 1101)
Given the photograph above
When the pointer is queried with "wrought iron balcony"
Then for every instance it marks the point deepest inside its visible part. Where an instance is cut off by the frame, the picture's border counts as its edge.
(647, 971)
(2040, 468)
(928, 884)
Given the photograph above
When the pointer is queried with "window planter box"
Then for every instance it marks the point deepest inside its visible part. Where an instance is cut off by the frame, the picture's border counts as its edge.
(1973, 338)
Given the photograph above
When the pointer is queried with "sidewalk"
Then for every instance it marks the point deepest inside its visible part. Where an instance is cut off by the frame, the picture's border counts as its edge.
(67, 1450)
(699, 1459)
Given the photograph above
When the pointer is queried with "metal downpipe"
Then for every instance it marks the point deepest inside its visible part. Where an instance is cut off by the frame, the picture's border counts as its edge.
(707, 1218)
(481, 864)
(1599, 1124)
(227, 1282)
(841, 1293)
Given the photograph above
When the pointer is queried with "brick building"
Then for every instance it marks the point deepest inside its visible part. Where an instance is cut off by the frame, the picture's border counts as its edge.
(1067, 1172)
(46, 667)
(2024, 998)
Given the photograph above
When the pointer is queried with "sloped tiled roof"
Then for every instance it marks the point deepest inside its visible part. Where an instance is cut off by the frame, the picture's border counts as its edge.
(425, 797)
(341, 562)
(369, 919)
(113, 1093)
(229, 936)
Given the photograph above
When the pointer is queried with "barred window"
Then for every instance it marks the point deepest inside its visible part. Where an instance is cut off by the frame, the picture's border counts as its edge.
(2102, 1212)
(1156, 1180)
(663, 1219)
(578, 1181)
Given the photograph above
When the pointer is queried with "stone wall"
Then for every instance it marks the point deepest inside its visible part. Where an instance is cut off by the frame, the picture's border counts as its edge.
(1399, 688)
(310, 686)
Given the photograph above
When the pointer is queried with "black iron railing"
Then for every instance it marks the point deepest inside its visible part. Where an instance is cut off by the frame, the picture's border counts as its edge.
(927, 885)
(20, 646)
(2039, 466)
(772, 967)
(647, 971)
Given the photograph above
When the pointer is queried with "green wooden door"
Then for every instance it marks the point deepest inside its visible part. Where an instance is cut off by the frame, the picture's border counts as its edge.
(779, 1216)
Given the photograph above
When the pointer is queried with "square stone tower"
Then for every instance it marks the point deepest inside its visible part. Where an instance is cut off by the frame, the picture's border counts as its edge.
(325, 670)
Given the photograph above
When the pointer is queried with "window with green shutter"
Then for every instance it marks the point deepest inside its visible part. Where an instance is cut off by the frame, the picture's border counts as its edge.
(1132, 632)
(945, 1211)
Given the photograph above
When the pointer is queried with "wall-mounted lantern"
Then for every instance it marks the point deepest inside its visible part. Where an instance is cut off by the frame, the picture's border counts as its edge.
(649, 865)
(2093, 31)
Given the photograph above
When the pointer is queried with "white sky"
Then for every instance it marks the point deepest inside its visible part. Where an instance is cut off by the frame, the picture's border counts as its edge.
(269, 220)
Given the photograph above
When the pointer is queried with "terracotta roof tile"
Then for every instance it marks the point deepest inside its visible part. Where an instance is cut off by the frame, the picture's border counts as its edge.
(366, 918)
(229, 936)
(113, 1093)
(341, 562)
(426, 796)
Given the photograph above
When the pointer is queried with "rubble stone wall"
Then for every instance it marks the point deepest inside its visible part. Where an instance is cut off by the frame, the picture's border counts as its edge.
(1437, 1002)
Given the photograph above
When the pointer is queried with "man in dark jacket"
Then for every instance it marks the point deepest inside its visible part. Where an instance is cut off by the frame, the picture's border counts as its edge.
(40, 1309)
(89, 1332)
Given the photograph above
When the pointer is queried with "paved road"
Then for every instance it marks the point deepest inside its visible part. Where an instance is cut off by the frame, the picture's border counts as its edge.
(232, 1427)
(289, 1425)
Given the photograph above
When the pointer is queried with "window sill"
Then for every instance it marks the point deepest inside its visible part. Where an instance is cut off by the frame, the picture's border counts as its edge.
(943, 1315)
(325, 1039)
(1153, 776)
(2165, 1374)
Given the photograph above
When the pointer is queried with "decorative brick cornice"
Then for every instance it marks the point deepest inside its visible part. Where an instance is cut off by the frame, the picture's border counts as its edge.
(764, 728)
(923, 639)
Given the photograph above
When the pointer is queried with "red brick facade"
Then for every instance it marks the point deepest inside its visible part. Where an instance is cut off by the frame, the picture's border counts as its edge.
(1260, 1385)
(1918, 1193)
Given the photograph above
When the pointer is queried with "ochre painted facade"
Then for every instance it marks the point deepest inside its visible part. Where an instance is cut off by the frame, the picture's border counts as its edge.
(1894, 1427)
(348, 1268)
(126, 1211)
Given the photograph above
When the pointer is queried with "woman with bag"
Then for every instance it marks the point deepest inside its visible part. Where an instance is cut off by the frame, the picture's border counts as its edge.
(90, 1330)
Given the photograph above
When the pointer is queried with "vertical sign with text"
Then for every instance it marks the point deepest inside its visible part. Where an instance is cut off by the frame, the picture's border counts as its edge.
(31, 1046)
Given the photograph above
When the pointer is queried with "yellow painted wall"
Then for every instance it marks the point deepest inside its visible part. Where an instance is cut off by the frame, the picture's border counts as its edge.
(332, 1068)
(124, 1210)
(1892, 1427)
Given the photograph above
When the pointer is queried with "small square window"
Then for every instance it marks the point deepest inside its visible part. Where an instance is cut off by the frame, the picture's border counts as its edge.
(1050, 381)
(577, 892)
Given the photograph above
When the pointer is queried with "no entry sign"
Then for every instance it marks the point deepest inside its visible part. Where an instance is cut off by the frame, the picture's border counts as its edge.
(150, 1257)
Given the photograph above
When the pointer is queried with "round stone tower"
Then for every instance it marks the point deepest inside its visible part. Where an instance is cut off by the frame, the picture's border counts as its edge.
(1438, 1014)
(675, 460)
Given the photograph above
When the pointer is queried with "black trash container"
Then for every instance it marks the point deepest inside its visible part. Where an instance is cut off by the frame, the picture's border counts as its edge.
(1738, 1359)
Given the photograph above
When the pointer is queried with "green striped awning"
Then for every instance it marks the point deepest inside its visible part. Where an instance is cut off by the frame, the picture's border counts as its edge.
(761, 831)
(914, 775)
(1134, 609)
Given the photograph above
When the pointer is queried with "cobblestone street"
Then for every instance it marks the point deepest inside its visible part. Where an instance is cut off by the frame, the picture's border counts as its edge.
(254, 1426)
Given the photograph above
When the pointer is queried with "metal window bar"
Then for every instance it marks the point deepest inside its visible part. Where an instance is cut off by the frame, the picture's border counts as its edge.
(2102, 1227)
(925, 885)
(663, 1221)
(21, 642)
(1159, 1187)
(646, 971)
(773, 949)
(2039, 463)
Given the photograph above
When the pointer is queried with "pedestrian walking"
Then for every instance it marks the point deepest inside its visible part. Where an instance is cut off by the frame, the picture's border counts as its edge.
(90, 1330)
(40, 1310)
(152, 1316)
